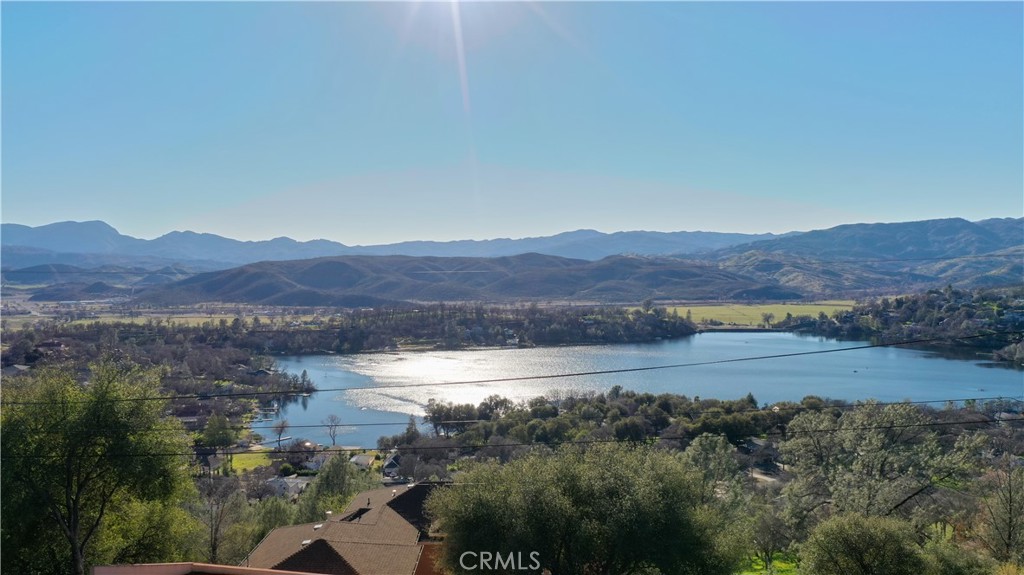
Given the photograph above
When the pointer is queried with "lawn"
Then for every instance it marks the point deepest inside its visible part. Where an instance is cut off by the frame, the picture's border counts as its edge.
(751, 315)
(250, 460)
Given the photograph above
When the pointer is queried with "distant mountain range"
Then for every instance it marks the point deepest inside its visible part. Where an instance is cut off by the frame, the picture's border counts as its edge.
(101, 244)
(847, 261)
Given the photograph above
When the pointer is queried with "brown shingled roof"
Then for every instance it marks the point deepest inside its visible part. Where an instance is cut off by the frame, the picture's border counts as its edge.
(378, 534)
(318, 557)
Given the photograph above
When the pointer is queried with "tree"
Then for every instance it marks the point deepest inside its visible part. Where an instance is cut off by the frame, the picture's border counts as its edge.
(335, 484)
(75, 453)
(874, 460)
(1002, 512)
(856, 545)
(220, 504)
(331, 422)
(947, 558)
(770, 533)
(218, 432)
(714, 460)
(260, 519)
(606, 509)
(279, 428)
(767, 318)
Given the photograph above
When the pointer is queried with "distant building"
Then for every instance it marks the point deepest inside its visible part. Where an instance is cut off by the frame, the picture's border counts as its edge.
(362, 461)
(290, 486)
(391, 465)
(318, 461)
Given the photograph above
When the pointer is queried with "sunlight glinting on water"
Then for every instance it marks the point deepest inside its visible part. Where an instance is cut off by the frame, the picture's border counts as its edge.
(887, 374)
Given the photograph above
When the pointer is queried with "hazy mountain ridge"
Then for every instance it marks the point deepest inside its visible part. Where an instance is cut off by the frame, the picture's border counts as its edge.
(942, 238)
(846, 261)
(66, 241)
(904, 256)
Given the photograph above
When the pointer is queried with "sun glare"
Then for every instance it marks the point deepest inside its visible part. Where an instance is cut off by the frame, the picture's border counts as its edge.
(460, 53)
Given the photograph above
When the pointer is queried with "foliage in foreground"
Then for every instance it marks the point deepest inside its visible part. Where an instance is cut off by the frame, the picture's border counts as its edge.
(606, 509)
(854, 544)
(91, 472)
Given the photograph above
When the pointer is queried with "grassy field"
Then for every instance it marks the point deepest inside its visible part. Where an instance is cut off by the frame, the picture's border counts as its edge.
(250, 460)
(750, 315)
(190, 320)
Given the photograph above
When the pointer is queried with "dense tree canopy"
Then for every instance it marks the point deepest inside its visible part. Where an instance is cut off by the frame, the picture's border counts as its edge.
(607, 509)
(857, 545)
(80, 459)
(873, 459)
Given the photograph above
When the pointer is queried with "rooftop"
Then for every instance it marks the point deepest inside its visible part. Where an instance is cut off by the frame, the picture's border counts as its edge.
(380, 533)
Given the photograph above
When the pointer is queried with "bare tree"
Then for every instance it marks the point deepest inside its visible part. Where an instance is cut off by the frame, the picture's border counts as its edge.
(1002, 512)
(220, 504)
(332, 422)
(279, 428)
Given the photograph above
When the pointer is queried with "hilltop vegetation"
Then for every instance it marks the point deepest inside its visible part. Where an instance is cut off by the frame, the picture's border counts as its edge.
(948, 313)
(204, 361)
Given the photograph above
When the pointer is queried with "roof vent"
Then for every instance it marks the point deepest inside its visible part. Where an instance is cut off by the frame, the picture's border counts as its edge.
(393, 492)
(317, 526)
(307, 541)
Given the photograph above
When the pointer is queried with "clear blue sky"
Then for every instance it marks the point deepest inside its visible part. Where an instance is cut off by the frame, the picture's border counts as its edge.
(372, 123)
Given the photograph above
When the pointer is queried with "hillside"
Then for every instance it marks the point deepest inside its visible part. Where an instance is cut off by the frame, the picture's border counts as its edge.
(890, 241)
(331, 281)
(860, 259)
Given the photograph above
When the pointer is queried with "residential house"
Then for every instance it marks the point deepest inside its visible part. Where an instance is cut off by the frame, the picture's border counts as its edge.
(382, 532)
(363, 461)
(290, 486)
(762, 452)
(319, 460)
(391, 465)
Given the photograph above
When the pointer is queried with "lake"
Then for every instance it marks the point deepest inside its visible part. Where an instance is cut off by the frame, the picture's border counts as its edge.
(356, 385)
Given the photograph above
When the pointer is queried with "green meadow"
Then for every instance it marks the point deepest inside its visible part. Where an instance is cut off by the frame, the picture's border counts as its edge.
(752, 315)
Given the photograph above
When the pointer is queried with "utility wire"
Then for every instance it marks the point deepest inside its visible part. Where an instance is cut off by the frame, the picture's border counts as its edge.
(691, 414)
(825, 430)
(207, 396)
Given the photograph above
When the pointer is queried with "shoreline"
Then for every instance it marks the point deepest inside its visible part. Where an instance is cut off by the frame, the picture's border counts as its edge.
(950, 352)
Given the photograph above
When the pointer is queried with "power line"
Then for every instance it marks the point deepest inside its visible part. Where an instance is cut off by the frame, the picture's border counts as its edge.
(692, 414)
(207, 396)
(474, 447)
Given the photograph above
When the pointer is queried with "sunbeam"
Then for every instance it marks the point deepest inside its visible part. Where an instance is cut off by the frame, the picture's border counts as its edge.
(460, 53)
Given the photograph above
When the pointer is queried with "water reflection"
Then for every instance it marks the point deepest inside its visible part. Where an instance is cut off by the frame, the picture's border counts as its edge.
(887, 374)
